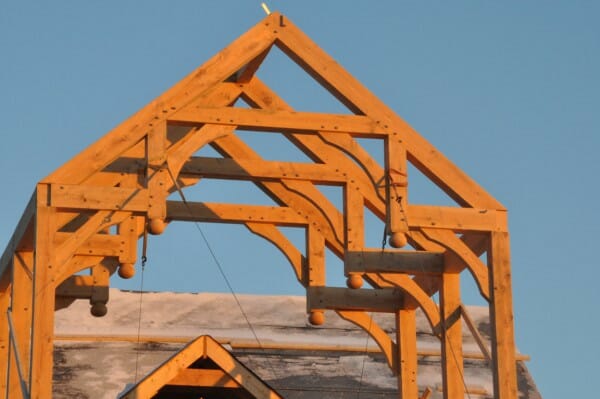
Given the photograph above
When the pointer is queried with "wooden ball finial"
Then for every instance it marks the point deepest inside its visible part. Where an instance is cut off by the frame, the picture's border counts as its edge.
(398, 240)
(126, 270)
(156, 226)
(98, 309)
(354, 281)
(316, 317)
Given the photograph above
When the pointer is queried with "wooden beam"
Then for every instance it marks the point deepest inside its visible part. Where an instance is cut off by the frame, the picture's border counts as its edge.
(21, 304)
(396, 189)
(5, 296)
(315, 265)
(237, 371)
(158, 179)
(216, 70)
(354, 214)
(387, 300)
(203, 378)
(233, 213)
(93, 225)
(304, 197)
(80, 287)
(501, 318)
(252, 344)
(406, 360)
(42, 329)
(339, 150)
(98, 244)
(255, 169)
(475, 333)
(278, 121)
(456, 219)
(452, 345)
(360, 100)
(99, 198)
(180, 152)
(393, 261)
(25, 223)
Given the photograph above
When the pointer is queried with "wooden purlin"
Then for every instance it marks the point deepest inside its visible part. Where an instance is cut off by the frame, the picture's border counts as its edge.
(90, 213)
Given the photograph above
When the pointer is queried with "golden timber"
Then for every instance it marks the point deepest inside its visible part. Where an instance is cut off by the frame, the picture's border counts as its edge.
(90, 213)
(193, 369)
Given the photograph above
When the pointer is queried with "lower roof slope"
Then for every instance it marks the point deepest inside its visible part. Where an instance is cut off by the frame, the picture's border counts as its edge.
(98, 358)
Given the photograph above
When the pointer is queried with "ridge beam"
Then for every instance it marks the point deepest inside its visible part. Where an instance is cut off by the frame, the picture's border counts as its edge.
(388, 300)
(280, 121)
(390, 261)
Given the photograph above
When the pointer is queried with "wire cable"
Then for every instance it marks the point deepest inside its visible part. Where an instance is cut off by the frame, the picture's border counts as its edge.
(219, 267)
(139, 326)
(365, 355)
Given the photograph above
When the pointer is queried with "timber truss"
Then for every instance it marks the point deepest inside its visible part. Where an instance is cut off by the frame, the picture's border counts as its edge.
(90, 214)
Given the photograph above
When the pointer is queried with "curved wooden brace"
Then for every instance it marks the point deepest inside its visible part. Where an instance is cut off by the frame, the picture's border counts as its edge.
(76, 264)
(274, 236)
(303, 198)
(216, 70)
(350, 147)
(366, 322)
(181, 151)
(293, 42)
(476, 267)
(259, 95)
(417, 294)
(96, 223)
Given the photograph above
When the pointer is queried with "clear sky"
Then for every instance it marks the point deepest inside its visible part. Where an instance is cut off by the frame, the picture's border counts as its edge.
(509, 91)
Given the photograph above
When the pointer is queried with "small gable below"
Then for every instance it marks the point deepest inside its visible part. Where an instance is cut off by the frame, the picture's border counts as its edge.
(202, 369)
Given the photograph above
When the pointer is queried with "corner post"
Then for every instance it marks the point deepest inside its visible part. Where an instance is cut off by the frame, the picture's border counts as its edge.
(501, 317)
(44, 270)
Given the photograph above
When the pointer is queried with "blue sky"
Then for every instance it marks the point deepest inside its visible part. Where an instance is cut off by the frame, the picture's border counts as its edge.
(509, 91)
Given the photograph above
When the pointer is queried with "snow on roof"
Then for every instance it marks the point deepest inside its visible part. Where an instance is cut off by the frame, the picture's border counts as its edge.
(98, 357)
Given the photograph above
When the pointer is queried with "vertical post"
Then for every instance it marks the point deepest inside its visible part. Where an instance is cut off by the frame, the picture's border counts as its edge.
(158, 176)
(5, 289)
(396, 190)
(354, 218)
(315, 274)
(452, 352)
(501, 318)
(354, 221)
(42, 329)
(21, 302)
(315, 269)
(406, 364)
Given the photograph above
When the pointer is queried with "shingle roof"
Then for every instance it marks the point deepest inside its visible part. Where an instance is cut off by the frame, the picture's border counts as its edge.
(96, 358)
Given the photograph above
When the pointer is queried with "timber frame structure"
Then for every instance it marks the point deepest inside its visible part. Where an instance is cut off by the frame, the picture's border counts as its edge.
(91, 212)
(203, 368)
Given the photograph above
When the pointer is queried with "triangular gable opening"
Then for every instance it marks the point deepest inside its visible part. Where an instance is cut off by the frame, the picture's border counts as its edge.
(203, 368)
(283, 76)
